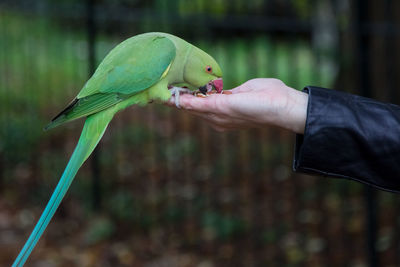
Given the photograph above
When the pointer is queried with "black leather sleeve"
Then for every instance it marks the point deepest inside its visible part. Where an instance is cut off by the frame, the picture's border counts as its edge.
(352, 137)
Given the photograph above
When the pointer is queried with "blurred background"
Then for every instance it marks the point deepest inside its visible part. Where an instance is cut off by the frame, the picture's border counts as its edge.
(162, 188)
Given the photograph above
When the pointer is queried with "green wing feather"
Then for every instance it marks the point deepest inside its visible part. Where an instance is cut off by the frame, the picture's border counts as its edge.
(84, 107)
(130, 68)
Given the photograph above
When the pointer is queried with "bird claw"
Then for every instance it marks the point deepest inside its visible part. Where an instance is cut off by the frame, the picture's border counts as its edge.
(176, 91)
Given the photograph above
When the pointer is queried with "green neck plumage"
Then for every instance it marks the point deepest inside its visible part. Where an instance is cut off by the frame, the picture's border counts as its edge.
(189, 50)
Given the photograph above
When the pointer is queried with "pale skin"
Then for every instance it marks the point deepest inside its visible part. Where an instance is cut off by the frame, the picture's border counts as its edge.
(256, 103)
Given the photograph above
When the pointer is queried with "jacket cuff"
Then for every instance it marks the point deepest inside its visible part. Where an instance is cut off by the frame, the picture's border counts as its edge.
(332, 143)
(302, 154)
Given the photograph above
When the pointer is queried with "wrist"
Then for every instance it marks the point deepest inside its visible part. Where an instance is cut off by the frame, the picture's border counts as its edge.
(292, 112)
(297, 111)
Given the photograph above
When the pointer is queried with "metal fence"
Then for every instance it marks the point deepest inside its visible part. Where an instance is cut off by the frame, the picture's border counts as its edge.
(163, 189)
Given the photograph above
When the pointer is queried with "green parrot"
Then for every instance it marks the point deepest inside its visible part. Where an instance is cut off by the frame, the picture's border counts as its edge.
(143, 68)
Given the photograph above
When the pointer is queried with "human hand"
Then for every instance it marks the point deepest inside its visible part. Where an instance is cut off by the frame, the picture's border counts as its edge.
(256, 103)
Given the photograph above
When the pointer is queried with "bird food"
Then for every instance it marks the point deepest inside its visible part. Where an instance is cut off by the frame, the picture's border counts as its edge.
(200, 94)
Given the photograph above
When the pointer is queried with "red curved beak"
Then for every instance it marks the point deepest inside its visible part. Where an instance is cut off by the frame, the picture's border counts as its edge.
(218, 84)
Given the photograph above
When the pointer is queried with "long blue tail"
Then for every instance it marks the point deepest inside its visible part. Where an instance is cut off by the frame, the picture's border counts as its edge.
(92, 132)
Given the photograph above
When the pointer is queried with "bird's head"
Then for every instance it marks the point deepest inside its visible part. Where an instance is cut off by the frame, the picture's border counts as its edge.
(202, 71)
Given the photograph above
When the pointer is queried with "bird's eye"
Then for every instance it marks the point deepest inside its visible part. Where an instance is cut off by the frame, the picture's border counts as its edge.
(208, 69)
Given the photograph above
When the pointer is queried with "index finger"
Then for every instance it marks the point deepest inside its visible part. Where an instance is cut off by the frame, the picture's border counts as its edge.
(240, 89)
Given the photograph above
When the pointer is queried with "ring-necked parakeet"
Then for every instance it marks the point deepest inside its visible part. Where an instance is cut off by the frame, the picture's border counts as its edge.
(146, 67)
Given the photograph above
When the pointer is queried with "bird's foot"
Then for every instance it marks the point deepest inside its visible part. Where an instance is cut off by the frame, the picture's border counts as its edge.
(176, 91)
